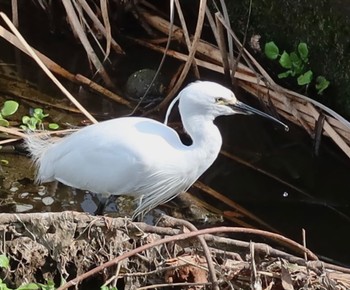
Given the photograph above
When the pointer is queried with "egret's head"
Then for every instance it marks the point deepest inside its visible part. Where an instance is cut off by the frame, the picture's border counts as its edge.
(213, 100)
(207, 98)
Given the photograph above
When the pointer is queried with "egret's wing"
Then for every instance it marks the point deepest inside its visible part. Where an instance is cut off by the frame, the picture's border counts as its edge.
(99, 169)
(112, 157)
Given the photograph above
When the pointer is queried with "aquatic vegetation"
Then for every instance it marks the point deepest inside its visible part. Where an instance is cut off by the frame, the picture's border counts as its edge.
(296, 64)
(9, 108)
(35, 120)
(325, 27)
(5, 264)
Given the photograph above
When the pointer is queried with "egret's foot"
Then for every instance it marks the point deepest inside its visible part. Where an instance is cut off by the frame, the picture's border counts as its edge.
(101, 207)
(104, 201)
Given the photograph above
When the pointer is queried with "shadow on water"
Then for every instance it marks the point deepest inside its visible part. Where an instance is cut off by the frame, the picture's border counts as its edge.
(322, 179)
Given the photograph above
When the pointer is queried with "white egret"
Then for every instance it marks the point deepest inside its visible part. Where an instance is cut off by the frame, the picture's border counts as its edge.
(139, 156)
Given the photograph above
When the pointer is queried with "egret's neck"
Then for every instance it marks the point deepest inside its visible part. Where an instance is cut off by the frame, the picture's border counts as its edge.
(206, 140)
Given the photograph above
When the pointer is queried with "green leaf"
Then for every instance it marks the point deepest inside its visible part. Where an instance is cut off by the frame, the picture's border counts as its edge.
(29, 286)
(30, 122)
(50, 285)
(3, 286)
(285, 60)
(4, 122)
(303, 51)
(25, 119)
(47, 287)
(10, 107)
(296, 61)
(4, 262)
(271, 50)
(284, 74)
(53, 126)
(105, 287)
(305, 78)
(39, 114)
(31, 127)
(299, 70)
(321, 84)
(63, 281)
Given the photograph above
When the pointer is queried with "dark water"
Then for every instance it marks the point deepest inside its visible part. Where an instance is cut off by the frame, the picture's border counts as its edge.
(321, 206)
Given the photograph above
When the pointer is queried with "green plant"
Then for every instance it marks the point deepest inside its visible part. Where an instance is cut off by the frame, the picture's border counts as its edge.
(50, 285)
(5, 263)
(9, 108)
(296, 65)
(35, 120)
(3, 285)
(105, 287)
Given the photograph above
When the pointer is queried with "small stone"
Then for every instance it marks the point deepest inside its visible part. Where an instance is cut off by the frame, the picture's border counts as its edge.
(42, 190)
(138, 83)
(41, 193)
(23, 207)
(48, 200)
(24, 194)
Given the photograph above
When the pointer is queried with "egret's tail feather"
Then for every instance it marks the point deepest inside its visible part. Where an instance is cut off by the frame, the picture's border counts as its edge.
(37, 145)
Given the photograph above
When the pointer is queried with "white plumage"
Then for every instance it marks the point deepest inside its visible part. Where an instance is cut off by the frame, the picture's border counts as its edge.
(140, 156)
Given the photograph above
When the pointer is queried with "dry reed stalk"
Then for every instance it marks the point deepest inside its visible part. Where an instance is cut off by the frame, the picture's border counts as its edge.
(79, 31)
(190, 59)
(103, 29)
(58, 70)
(35, 57)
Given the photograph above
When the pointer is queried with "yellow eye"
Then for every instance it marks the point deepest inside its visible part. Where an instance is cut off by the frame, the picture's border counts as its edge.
(220, 101)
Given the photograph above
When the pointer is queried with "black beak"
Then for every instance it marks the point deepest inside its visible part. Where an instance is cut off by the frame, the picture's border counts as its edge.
(245, 109)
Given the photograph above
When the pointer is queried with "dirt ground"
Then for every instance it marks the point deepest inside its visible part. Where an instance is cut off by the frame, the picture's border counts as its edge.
(80, 248)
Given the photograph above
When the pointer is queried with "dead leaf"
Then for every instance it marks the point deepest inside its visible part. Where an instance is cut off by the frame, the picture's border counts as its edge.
(286, 278)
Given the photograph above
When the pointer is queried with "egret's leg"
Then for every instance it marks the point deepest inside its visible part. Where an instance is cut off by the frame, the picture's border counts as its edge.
(103, 202)
(101, 206)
